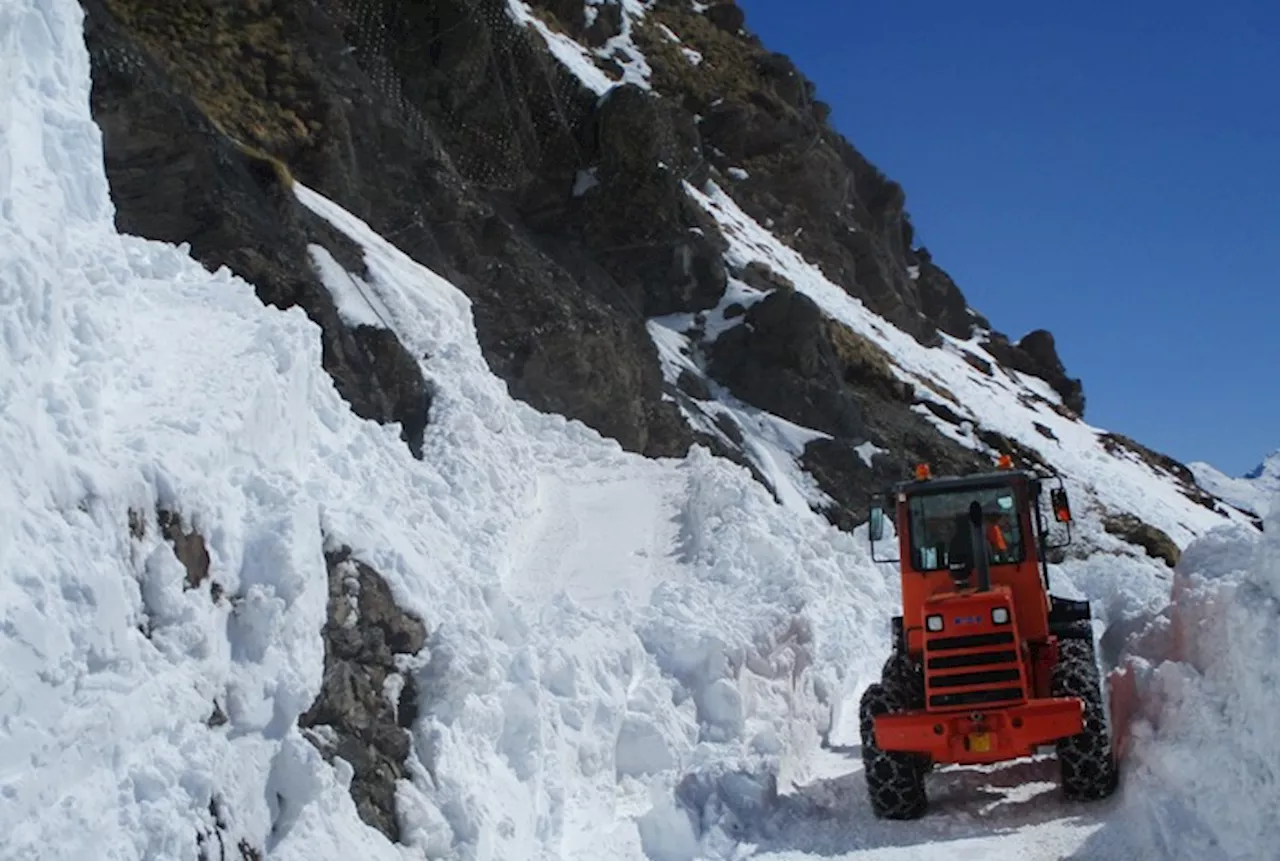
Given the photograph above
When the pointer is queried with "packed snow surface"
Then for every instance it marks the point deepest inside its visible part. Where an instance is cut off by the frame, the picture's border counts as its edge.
(627, 658)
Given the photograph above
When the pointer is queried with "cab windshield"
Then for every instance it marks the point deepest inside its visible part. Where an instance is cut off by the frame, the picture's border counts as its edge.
(940, 532)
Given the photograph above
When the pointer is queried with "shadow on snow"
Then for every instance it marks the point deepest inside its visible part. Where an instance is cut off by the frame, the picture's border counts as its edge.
(833, 817)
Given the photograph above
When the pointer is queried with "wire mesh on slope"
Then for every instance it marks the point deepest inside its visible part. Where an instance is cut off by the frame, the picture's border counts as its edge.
(502, 113)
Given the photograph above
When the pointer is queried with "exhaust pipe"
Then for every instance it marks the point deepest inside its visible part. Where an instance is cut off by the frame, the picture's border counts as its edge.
(979, 543)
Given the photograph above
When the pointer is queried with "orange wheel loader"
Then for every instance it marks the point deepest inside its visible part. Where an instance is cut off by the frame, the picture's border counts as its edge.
(986, 665)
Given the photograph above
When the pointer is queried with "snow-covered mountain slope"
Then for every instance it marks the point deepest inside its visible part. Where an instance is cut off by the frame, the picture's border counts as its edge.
(960, 388)
(622, 654)
(1017, 407)
(1252, 492)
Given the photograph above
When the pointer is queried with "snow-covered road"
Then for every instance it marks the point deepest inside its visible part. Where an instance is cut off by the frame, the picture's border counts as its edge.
(1005, 811)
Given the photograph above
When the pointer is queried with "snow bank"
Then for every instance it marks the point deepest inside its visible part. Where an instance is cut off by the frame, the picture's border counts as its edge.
(1202, 778)
(728, 661)
(131, 378)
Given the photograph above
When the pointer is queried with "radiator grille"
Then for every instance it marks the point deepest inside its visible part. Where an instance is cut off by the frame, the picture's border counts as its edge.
(974, 669)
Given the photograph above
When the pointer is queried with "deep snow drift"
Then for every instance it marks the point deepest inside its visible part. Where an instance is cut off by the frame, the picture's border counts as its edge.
(602, 628)
(1203, 774)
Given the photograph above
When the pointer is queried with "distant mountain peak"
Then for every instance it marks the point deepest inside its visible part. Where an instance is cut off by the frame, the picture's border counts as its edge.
(1252, 492)
(1270, 467)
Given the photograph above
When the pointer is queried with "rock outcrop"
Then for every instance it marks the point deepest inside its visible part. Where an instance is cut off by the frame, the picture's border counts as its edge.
(473, 156)
(787, 357)
(1036, 354)
(203, 106)
(760, 115)
(366, 701)
(1155, 542)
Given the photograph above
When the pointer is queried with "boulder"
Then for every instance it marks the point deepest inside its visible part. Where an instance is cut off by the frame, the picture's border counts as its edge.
(1036, 355)
(727, 16)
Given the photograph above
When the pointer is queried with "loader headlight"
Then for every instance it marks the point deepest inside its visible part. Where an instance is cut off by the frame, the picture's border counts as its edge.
(933, 623)
(1000, 615)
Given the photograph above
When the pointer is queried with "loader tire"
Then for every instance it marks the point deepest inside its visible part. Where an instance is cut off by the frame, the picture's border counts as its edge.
(904, 678)
(895, 781)
(1087, 763)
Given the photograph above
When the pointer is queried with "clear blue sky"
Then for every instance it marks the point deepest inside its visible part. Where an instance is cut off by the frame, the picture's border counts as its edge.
(1109, 171)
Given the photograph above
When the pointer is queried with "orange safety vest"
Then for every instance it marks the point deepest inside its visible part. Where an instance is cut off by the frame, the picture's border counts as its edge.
(996, 537)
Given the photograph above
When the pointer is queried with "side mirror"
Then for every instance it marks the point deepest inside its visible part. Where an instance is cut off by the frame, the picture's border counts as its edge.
(1061, 508)
(876, 525)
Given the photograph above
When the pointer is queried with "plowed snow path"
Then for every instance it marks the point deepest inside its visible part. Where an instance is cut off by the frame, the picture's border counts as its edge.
(1007, 811)
(600, 533)
(607, 536)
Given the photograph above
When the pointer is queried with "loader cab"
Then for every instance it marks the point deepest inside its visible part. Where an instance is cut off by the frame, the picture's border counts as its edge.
(939, 531)
(984, 665)
(958, 535)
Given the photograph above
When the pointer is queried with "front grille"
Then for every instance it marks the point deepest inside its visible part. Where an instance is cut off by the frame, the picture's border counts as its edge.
(971, 641)
(966, 680)
(981, 659)
(964, 671)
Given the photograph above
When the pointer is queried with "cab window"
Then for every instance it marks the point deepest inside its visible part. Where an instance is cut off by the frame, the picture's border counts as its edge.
(940, 534)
